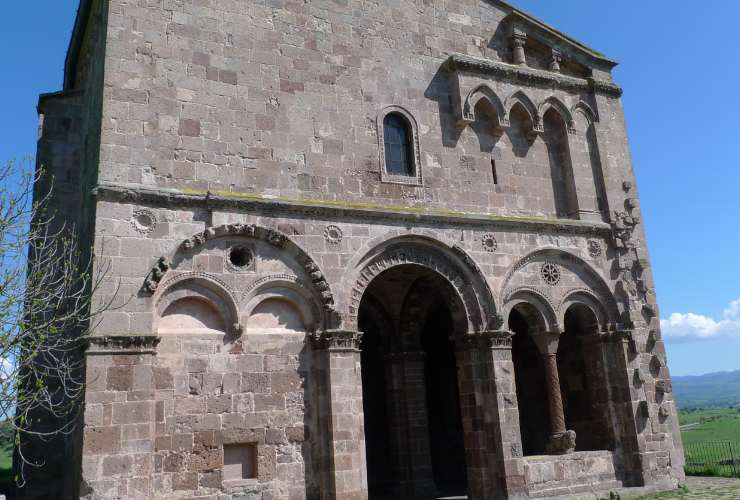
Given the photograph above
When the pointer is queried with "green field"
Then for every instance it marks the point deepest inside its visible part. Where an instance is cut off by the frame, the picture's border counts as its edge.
(711, 439)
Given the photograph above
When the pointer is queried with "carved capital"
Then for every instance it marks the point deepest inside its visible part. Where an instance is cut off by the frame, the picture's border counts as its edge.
(484, 341)
(336, 340)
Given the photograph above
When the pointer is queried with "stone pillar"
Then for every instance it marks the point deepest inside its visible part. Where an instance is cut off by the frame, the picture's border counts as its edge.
(121, 415)
(341, 419)
(490, 416)
(561, 439)
(626, 383)
(410, 423)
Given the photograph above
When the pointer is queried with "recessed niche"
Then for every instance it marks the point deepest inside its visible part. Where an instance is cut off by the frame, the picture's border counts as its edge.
(240, 462)
(275, 316)
(191, 316)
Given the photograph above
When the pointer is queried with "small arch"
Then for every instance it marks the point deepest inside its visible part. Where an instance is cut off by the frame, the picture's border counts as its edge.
(556, 104)
(198, 287)
(191, 315)
(534, 305)
(275, 314)
(586, 299)
(289, 293)
(598, 288)
(586, 110)
(484, 92)
(521, 99)
(398, 145)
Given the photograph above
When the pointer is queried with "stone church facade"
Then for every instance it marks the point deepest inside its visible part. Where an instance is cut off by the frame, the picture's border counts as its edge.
(357, 249)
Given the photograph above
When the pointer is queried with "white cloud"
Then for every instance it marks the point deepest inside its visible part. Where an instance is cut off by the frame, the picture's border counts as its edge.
(691, 326)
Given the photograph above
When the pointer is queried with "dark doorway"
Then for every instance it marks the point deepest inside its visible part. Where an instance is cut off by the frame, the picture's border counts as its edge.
(413, 426)
(443, 403)
(582, 380)
(531, 394)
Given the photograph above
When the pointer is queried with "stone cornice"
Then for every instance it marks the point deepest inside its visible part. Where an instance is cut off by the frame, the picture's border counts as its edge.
(123, 344)
(132, 193)
(523, 75)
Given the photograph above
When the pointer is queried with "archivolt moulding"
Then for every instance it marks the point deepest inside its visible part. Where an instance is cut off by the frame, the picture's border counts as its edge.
(428, 251)
(271, 236)
(586, 297)
(538, 300)
(290, 289)
(598, 297)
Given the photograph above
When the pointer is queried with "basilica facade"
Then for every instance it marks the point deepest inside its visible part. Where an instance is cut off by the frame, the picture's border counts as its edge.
(356, 249)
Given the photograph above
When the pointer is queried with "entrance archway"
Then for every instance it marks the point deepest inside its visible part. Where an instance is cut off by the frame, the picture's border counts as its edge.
(534, 419)
(413, 426)
(583, 380)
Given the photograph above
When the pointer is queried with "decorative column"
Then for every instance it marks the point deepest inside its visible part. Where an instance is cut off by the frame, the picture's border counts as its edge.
(409, 421)
(555, 58)
(519, 41)
(341, 418)
(490, 416)
(561, 439)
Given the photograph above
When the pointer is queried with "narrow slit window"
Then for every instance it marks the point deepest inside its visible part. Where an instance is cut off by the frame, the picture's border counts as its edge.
(399, 158)
(493, 171)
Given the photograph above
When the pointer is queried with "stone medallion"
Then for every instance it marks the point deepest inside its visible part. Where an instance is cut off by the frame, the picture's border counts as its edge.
(144, 221)
(333, 234)
(550, 273)
(489, 243)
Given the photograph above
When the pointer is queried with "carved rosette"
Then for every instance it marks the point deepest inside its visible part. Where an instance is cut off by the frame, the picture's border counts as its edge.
(336, 340)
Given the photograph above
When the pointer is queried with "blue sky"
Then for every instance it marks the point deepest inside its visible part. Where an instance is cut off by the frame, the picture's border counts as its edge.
(680, 69)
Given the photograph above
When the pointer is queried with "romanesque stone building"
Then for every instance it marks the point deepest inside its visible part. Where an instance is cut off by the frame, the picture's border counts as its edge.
(359, 249)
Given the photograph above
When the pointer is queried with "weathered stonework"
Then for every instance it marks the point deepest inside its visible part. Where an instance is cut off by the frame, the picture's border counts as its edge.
(298, 321)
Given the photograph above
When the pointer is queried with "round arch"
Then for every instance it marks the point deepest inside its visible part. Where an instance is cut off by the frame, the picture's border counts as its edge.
(598, 295)
(587, 299)
(539, 304)
(293, 292)
(429, 250)
(199, 286)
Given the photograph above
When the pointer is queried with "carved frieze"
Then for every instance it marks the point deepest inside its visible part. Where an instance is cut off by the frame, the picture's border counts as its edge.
(123, 344)
(336, 340)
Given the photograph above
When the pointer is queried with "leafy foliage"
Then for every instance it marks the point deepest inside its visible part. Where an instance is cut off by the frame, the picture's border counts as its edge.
(46, 311)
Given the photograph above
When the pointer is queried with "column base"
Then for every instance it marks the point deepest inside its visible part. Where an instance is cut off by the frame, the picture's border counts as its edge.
(562, 443)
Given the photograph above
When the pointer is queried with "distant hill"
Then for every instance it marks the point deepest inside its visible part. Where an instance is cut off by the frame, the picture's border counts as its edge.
(719, 389)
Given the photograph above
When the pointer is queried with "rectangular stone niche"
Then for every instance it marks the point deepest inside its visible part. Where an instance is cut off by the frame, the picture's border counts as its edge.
(240, 462)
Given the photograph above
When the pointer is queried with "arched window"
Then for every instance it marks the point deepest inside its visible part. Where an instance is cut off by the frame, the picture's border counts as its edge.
(399, 156)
